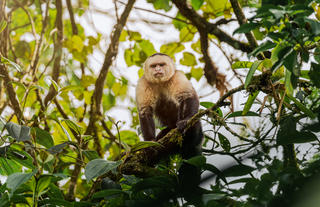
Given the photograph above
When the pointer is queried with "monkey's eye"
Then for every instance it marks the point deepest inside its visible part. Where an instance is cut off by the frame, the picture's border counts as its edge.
(162, 64)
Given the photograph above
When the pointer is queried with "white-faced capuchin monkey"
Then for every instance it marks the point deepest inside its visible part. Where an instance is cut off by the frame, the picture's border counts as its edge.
(167, 94)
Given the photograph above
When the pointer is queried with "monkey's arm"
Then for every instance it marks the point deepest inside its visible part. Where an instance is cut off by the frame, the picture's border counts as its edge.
(187, 108)
(147, 124)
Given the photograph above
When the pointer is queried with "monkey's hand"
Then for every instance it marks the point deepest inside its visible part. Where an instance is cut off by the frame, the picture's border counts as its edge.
(181, 125)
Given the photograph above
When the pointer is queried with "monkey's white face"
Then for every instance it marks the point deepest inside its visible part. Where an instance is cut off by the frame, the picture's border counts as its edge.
(159, 68)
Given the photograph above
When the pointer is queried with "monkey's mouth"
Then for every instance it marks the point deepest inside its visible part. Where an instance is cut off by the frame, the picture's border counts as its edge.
(158, 75)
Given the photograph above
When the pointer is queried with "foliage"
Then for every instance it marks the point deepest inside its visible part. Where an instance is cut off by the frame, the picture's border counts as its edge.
(60, 145)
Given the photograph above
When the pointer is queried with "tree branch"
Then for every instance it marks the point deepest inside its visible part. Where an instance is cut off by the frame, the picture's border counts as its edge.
(110, 55)
(3, 69)
(242, 20)
(58, 51)
(202, 24)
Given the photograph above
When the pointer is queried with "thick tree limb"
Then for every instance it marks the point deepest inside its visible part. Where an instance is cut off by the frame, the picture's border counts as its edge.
(110, 55)
(98, 91)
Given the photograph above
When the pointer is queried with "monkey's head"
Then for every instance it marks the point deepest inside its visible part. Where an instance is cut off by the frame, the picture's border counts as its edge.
(159, 68)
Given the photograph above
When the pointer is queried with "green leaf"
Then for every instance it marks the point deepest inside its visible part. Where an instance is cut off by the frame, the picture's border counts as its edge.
(172, 48)
(91, 154)
(3, 25)
(288, 133)
(147, 47)
(196, 4)
(317, 54)
(161, 4)
(43, 137)
(98, 167)
(241, 64)
(245, 28)
(144, 144)
(250, 74)
(302, 107)
(164, 182)
(10, 63)
(26, 161)
(263, 47)
(43, 183)
(57, 148)
(238, 170)
(224, 142)
(108, 193)
(287, 82)
(314, 74)
(186, 35)
(77, 43)
(206, 198)
(290, 62)
(249, 102)
(55, 202)
(16, 179)
(207, 104)
(239, 113)
(196, 73)
(315, 26)
(198, 161)
(8, 167)
(188, 59)
(73, 126)
(18, 132)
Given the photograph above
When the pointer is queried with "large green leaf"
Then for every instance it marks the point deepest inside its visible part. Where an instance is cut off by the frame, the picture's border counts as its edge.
(98, 167)
(18, 132)
(16, 179)
(43, 137)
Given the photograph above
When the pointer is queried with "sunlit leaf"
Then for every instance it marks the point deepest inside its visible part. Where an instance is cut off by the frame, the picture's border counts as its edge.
(196, 4)
(186, 34)
(188, 59)
(241, 64)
